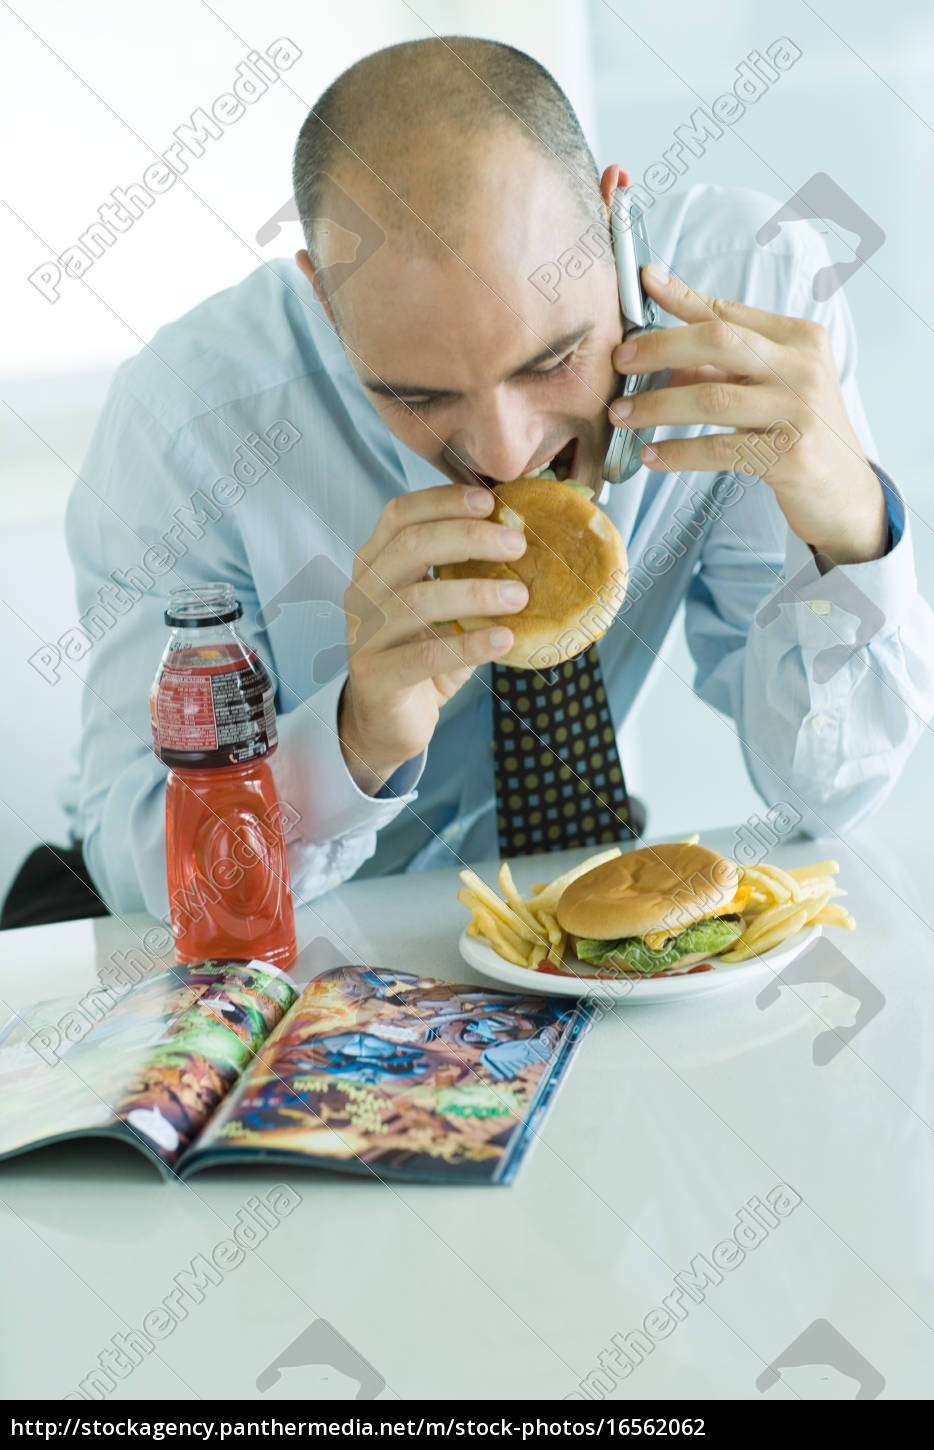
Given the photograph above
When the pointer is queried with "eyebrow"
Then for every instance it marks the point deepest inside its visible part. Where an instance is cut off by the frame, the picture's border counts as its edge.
(560, 345)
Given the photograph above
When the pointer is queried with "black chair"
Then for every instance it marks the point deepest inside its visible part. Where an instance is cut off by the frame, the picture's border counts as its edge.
(51, 885)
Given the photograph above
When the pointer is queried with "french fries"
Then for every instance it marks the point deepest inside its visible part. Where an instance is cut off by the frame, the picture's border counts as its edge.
(819, 868)
(524, 931)
(767, 887)
(771, 938)
(547, 899)
(783, 903)
(504, 941)
(835, 916)
(772, 903)
(488, 898)
(782, 879)
(508, 887)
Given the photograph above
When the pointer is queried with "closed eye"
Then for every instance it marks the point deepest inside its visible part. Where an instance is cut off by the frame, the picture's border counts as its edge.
(437, 400)
(422, 405)
(552, 372)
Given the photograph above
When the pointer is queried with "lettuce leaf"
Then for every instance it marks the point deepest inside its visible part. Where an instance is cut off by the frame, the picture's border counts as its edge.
(631, 953)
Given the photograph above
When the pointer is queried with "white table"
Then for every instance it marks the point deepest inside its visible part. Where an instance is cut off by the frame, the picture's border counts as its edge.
(672, 1119)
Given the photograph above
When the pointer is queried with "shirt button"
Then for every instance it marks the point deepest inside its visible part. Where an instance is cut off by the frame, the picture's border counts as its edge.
(818, 722)
(820, 606)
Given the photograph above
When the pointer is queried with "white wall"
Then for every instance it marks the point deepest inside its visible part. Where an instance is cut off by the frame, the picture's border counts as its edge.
(857, 105)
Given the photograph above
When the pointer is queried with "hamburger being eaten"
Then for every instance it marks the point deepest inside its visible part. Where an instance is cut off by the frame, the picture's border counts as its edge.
(574, 568)
(647, 910)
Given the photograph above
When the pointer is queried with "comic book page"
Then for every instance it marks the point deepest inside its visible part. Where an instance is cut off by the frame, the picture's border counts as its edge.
(150, 1063)
(394, 1075)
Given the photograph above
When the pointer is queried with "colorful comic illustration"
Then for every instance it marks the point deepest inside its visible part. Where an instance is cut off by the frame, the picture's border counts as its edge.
(157, 1057)
(384, 1071)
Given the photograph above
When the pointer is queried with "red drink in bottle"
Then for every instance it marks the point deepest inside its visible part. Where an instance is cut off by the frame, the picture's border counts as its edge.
(214, 725)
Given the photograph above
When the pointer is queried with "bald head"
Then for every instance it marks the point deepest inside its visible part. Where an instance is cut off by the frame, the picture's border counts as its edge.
(399, 144)
(434, 180)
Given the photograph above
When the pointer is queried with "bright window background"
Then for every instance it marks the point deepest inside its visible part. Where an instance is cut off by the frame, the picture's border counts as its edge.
(92, 95)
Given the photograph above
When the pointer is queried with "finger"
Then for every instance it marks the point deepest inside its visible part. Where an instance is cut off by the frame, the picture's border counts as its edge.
(739, 351)
(411, 552)
(424, 659)
(711, 453)
(447, 501)
(682, 301)
(685, 377)
(434, 602)
(719, 403)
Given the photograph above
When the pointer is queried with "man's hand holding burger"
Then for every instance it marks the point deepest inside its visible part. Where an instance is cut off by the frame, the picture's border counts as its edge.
(736, 366)
(405, 661)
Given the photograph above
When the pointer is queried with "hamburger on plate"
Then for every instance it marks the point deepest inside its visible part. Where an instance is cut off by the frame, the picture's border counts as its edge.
(654, 908)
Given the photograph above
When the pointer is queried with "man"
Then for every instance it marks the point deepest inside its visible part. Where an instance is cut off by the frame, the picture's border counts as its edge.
(357, 406)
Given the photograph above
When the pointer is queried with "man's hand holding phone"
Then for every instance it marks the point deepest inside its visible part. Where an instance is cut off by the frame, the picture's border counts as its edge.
(404, 660)
(737, 366)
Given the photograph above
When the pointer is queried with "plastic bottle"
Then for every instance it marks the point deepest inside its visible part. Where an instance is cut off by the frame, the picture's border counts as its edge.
(214, 725)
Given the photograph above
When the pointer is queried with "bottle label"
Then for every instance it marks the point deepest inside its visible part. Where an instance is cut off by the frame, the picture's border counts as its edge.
(203, 719)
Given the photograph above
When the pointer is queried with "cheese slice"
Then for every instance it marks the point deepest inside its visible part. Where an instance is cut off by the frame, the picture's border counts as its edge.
(735, 907)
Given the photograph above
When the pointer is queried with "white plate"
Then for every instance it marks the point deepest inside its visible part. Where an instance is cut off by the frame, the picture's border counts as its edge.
(689, 983)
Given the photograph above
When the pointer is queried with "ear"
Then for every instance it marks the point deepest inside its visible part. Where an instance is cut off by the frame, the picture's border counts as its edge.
(305, 264)
(613, 177)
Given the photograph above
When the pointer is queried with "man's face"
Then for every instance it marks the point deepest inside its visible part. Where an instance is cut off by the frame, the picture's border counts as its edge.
(465, 360)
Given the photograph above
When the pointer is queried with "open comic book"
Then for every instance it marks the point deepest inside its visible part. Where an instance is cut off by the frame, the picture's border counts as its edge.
(367, 1071)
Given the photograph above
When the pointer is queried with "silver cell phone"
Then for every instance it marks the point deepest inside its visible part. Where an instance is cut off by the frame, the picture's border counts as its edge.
(640, 314)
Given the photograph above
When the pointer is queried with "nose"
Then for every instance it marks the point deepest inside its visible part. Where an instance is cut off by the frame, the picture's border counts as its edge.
(500, 437)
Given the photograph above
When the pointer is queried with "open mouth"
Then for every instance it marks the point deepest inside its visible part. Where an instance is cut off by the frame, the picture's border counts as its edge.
(561, 467)
(564, 464)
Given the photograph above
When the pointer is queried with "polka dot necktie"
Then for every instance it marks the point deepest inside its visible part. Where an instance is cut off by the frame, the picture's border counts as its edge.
(559, 782)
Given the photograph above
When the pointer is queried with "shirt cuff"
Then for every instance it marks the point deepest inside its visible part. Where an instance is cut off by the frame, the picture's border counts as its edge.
(895, 507)
(404, 780)
(851, 603)
(312, 778)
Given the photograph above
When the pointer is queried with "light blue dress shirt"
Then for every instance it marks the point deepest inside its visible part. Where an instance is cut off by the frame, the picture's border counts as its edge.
(239, 445)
